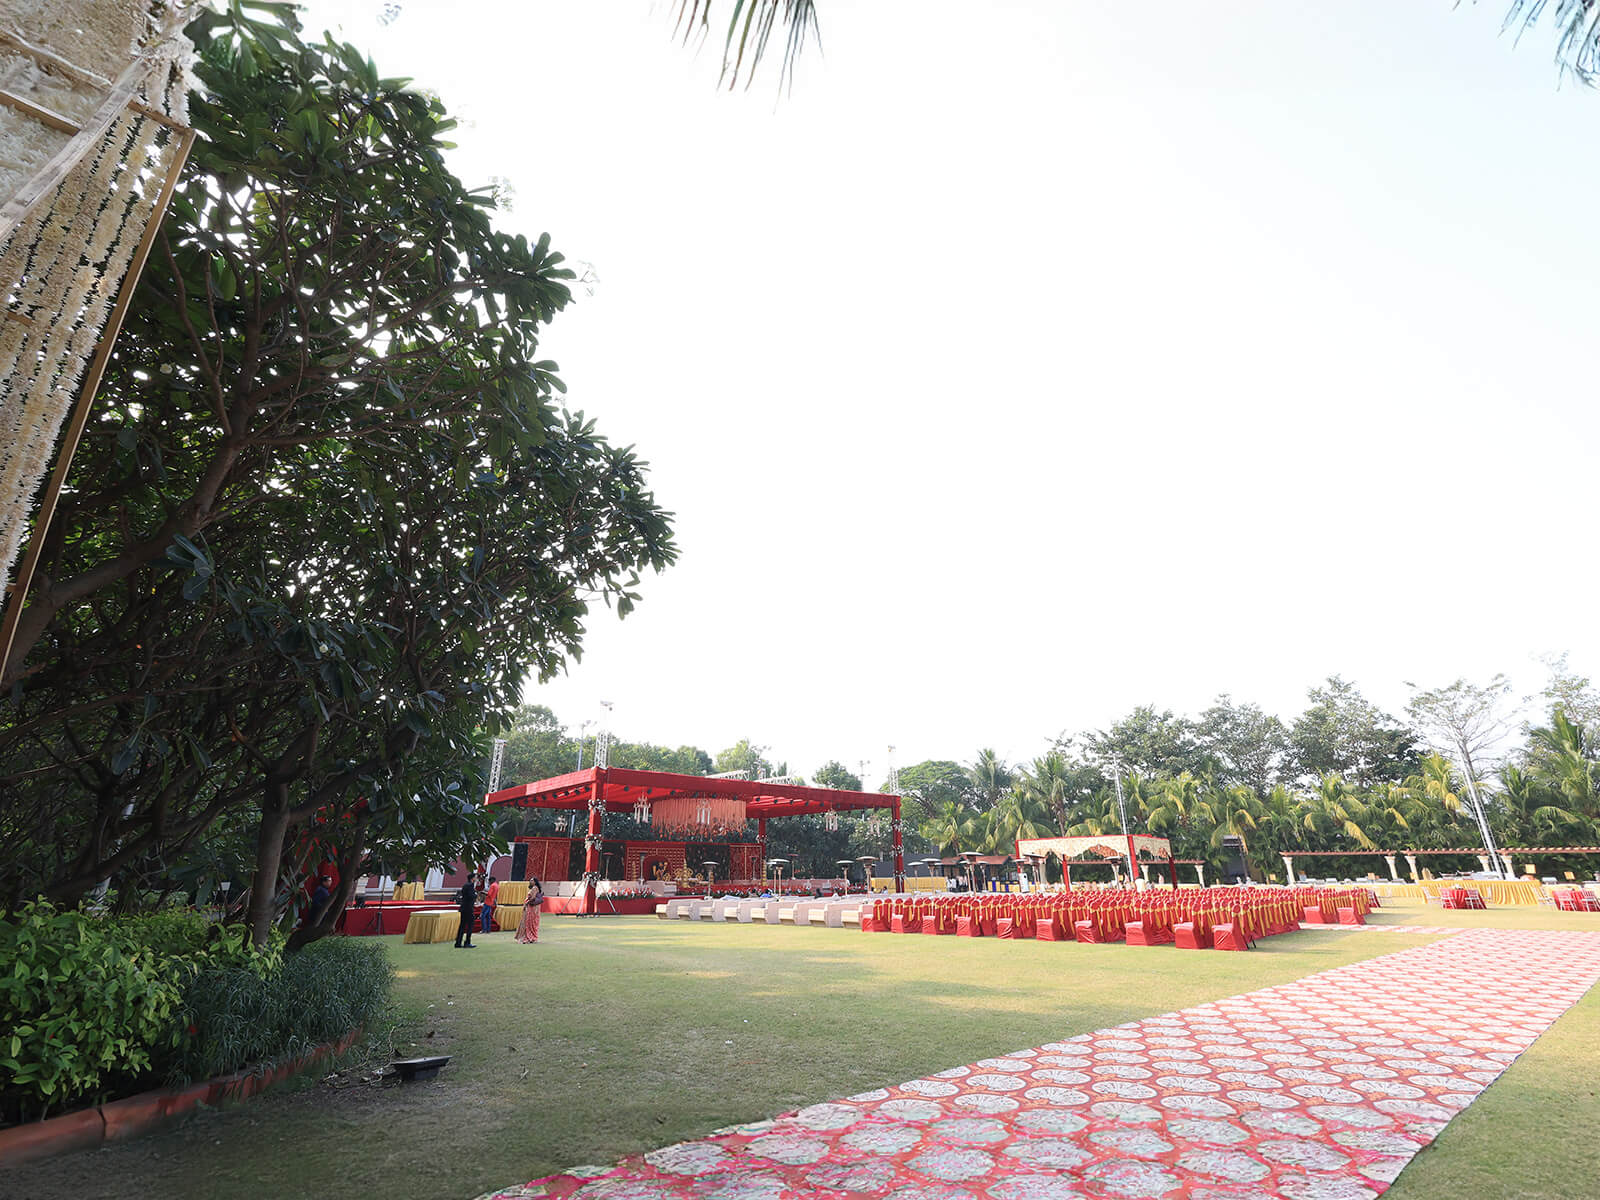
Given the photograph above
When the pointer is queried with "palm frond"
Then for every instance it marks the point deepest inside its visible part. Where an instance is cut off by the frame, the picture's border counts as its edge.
(1577, 32)
(750, 28)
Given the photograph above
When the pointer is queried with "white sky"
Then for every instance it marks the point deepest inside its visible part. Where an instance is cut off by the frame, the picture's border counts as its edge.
(1038, 359)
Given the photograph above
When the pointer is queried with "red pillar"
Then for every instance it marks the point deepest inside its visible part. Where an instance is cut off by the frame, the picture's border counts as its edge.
(899, 853)
(1172, 872)
(591, 844)
(1133, 864)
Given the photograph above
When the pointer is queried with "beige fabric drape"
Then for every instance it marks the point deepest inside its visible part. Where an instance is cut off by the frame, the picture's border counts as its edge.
(93, 102)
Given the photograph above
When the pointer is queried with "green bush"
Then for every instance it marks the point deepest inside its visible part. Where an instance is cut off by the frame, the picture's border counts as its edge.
(189, 938)
(236, 1018)
(92, 1004)
(79, 1004)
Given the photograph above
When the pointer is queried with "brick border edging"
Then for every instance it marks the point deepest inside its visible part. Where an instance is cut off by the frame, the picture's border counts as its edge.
(134, 1116)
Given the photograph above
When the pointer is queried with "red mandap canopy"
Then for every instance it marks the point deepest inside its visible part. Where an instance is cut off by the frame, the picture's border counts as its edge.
(686, 799)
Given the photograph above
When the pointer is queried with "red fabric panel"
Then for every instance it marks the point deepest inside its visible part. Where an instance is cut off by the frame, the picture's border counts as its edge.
(744, 859)
(548, 858)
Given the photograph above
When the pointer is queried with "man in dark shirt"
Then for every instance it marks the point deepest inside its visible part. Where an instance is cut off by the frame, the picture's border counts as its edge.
(466, 902)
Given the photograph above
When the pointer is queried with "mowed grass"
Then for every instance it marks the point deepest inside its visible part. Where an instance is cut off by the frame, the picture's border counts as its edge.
(620, 1034)
(1531, 1135)
(1517, 916)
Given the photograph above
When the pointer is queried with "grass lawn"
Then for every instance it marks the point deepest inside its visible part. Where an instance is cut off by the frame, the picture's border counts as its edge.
(1516, 917)
(620, 1034)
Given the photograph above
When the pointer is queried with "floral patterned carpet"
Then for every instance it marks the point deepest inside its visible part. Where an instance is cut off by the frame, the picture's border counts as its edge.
(1321, 1089)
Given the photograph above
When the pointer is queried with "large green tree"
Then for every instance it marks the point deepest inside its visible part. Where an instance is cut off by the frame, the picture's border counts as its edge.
(1342, 733)
(330, 514)
(1150, 742)
(928, 787)
(1246, 745)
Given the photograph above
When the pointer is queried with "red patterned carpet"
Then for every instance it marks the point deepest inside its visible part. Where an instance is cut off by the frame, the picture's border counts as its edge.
(1321, 1089)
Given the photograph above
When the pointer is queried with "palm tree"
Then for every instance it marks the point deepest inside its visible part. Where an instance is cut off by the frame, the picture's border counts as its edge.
(1047, 784)
(1529, 812)
(991, 778)
(1437, 788)
(1566, 760)
(1177, 803)
(1336, 810)
(1022, 814)
(948, 827)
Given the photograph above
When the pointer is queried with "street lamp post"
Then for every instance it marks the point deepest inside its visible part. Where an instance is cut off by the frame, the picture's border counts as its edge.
(582, 729)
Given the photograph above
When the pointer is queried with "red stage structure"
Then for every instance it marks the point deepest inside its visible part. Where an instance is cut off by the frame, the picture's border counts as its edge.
(688, 802)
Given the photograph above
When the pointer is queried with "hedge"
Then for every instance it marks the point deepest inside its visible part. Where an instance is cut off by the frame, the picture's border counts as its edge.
(93, 1007)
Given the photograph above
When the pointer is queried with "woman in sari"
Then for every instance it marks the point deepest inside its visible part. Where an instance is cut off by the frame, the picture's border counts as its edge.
(528, 931)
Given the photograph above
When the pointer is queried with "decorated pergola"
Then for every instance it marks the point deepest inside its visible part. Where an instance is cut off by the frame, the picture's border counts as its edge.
(1131, 846)
(688, 804)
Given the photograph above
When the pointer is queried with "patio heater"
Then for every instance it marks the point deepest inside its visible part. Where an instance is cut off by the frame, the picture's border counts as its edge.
(710, 865)
(778, 864)
(866, 861)
(844, 865)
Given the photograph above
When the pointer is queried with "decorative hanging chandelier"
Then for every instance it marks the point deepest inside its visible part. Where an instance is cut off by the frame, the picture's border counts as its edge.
(830, 821)
(641, 811)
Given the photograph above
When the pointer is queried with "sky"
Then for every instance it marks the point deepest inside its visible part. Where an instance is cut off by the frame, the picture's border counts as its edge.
(1026, 363)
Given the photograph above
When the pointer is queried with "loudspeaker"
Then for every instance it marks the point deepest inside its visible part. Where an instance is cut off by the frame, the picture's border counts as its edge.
(519, 860)
(1234, 870)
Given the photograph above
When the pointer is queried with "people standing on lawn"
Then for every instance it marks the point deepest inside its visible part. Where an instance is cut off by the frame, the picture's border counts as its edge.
(528, 930)
(466, 905)
(490, 897)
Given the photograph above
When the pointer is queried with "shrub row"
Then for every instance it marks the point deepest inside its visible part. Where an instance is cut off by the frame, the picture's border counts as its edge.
(93, 1007)
(236, 1017)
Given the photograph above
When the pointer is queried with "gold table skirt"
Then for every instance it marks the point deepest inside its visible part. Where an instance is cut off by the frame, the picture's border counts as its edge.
(1493, 891)
(512, 892)
(437, 926)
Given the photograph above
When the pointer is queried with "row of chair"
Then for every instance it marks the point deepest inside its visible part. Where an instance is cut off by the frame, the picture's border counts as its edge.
(1225, 918)
(834, 913)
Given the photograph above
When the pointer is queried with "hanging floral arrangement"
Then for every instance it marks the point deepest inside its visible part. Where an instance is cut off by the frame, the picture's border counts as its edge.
(697, 816)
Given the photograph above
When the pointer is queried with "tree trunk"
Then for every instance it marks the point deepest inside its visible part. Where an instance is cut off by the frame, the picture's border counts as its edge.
(350, 857)
(269, 856)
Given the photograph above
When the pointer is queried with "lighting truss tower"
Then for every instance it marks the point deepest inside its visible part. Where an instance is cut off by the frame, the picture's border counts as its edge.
(1122, 816)
(1478, 811)
(495, 764)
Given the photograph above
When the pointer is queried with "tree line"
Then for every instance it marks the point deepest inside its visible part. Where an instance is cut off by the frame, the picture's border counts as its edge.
(1343, 775)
